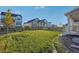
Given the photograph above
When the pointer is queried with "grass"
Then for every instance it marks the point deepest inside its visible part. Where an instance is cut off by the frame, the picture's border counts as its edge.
(38, 41)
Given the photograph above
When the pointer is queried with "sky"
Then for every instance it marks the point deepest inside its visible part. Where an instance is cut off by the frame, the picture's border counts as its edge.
(54, 14)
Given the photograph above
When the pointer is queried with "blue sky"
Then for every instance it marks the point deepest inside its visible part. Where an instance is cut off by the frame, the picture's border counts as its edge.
(54, 14)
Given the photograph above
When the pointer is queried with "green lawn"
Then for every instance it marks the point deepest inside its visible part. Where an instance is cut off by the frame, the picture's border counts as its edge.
(31, 41)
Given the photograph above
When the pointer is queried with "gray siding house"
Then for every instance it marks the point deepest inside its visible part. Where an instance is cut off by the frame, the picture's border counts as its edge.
(37, 23)
(17, 22)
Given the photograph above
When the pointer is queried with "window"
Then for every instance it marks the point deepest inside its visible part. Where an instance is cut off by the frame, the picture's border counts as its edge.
(76, 20)
(18, 23)
(2, 17)
(75, 28)
(18, 18)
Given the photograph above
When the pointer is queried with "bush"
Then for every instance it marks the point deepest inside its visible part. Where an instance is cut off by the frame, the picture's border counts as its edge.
(29, 41)
(27, 28)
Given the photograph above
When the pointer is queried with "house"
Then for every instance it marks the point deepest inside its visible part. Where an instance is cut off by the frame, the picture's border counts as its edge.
(37, 23)
(17, 21)
(73, 21)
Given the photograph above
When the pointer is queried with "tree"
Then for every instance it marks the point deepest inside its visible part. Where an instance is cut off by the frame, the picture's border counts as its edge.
(8, 21)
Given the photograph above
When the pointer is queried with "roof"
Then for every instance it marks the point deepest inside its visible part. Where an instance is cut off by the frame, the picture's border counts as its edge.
(73, 11)
(74, 14)
(31, 20)
(43, 20)
(3, 13)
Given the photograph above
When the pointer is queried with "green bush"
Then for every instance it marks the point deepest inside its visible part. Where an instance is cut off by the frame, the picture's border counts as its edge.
(27, 28)
(29, 41)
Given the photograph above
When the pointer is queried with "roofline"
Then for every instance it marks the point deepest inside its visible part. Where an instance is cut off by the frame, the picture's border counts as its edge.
(33, 20)
(71, 11)
(12, 14)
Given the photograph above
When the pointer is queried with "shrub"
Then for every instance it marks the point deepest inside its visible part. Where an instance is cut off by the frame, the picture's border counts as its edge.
(29, 41)
(27, 28)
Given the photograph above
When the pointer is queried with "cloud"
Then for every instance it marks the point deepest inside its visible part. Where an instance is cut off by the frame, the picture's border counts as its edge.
(40, 7)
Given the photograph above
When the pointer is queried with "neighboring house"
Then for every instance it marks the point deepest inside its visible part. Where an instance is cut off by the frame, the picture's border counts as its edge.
(54, 26)
(37, 23)
(1, 26)
(49, 24)
(17, 21)
(73, 21)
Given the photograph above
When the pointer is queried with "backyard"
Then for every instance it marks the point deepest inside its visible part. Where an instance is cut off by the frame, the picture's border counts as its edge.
(36, 41)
